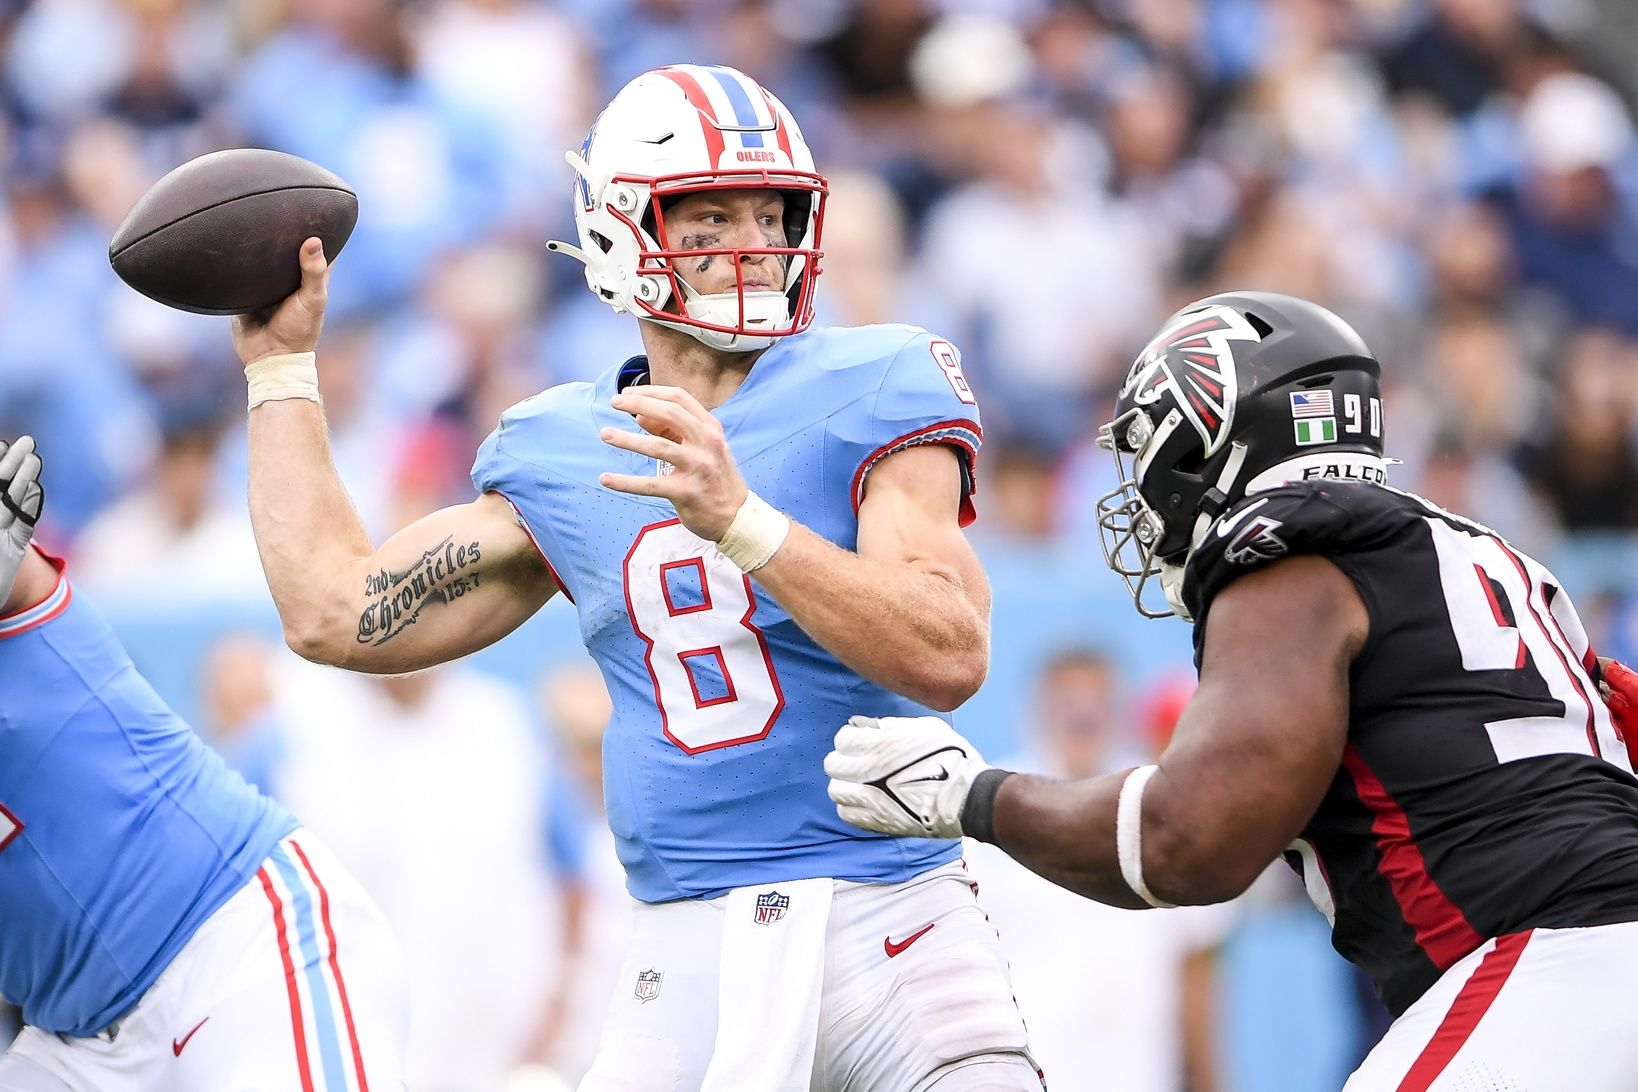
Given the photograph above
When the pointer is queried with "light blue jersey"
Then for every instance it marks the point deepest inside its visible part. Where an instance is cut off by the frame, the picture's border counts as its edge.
(723, 708)
(120, 831)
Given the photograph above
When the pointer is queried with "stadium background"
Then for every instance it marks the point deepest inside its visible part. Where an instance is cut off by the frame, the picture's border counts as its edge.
(1039, 180)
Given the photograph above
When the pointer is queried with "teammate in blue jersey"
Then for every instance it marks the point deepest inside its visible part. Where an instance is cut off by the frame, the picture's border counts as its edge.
(163, 926)
(761, 529)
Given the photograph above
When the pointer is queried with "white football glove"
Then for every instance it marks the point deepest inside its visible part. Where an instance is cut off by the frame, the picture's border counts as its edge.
(21, 498)
(907, 776)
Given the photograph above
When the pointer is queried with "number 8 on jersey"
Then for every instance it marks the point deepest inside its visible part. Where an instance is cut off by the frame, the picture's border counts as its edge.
(713, 677)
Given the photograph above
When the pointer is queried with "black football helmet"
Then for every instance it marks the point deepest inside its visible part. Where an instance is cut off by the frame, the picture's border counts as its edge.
(1238, 392)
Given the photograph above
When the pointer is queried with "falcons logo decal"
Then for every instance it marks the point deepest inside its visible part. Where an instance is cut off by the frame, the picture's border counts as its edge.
(1194, 358)
(1256, 542)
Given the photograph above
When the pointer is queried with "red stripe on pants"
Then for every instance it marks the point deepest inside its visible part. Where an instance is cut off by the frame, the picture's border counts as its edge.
(335, 967)
(289, 980)
(1472, 1002)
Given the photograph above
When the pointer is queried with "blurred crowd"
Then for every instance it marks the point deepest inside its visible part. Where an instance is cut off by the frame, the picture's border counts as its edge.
(1040, 181)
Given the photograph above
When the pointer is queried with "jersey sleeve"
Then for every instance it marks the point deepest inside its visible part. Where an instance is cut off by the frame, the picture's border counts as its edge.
(490, 469)
(497, 469)
(923, 398)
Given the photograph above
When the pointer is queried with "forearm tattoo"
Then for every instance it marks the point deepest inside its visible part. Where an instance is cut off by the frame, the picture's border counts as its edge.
(442, 575)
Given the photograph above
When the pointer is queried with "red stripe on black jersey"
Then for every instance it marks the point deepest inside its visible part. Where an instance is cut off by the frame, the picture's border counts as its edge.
(1442, 930)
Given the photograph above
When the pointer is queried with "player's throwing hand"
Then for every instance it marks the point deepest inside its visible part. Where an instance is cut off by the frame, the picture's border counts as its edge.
(902, 775)
(704, 485)
(21, 499)
(294, 325)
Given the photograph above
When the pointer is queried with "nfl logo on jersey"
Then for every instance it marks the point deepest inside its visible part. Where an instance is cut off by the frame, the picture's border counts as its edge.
(648, 985)
(770, 907)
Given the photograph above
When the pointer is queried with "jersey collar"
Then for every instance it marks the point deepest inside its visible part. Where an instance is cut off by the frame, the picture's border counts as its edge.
(633, 373)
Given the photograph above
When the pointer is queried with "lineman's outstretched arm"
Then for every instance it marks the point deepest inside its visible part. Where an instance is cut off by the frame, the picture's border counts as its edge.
(1252, 756)
(446, 585)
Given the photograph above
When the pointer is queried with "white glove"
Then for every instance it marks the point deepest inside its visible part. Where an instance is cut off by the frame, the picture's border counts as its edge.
(907, 776)
(21, 498)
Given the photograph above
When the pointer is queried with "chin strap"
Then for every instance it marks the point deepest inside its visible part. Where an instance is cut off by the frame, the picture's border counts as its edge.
(1211, 506)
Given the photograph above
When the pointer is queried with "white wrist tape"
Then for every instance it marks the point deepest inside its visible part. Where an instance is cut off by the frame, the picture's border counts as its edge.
(287, 375)
(1129, 834)
(758, 531)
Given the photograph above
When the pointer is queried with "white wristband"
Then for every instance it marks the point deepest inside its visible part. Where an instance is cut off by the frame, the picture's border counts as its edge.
(1129, 834)
(287, 375)
(758, 531)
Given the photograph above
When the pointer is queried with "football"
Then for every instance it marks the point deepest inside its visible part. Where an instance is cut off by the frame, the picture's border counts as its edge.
(219, 235)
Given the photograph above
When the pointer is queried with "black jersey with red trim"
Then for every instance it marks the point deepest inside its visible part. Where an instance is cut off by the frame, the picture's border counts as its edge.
(1483, 788)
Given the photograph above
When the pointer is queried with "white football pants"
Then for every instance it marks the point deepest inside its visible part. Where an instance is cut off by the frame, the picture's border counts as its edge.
(293, 985)
(1547, 1010)
(915, 994)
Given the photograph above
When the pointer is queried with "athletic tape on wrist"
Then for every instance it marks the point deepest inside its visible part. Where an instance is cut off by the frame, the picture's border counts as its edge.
(757, 533)
(286, 375)
(978, 811)
(1129, 834)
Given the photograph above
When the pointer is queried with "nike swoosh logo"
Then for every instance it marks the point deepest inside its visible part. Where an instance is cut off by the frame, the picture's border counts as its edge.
(943, 775)
(897, 949)
(178, 1044)
(1224, 528)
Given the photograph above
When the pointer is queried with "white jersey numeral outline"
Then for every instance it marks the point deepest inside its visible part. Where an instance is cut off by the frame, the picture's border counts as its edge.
(717, 629)
(949, 362)
(1546, 632)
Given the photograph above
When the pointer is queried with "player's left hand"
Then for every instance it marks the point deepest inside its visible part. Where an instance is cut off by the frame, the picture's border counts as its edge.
(21, 499)
(907, 776)
(704, 485)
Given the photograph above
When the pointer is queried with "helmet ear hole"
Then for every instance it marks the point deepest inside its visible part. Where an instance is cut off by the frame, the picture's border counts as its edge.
(1194, 463)
(603, 241)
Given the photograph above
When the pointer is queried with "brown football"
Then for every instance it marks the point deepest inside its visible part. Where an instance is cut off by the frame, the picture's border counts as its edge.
(219, 235)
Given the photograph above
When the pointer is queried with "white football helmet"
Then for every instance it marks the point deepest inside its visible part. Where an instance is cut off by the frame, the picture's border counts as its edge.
(680, 130)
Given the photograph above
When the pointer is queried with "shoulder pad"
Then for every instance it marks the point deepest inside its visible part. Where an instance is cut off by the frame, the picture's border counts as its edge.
(1330, 518)
(511, 444)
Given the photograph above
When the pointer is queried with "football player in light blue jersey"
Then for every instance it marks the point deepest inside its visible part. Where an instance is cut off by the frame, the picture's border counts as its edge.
(163, 926)
(761, 529)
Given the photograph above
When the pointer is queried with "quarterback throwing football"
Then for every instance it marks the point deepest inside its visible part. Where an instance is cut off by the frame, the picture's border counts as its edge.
(761, 529)
(1391, 696)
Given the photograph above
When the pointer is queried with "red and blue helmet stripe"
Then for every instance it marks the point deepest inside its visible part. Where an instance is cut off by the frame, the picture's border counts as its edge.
(735, 112)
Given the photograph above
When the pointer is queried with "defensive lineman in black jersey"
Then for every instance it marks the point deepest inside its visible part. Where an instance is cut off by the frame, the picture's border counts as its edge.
(1391, 697)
